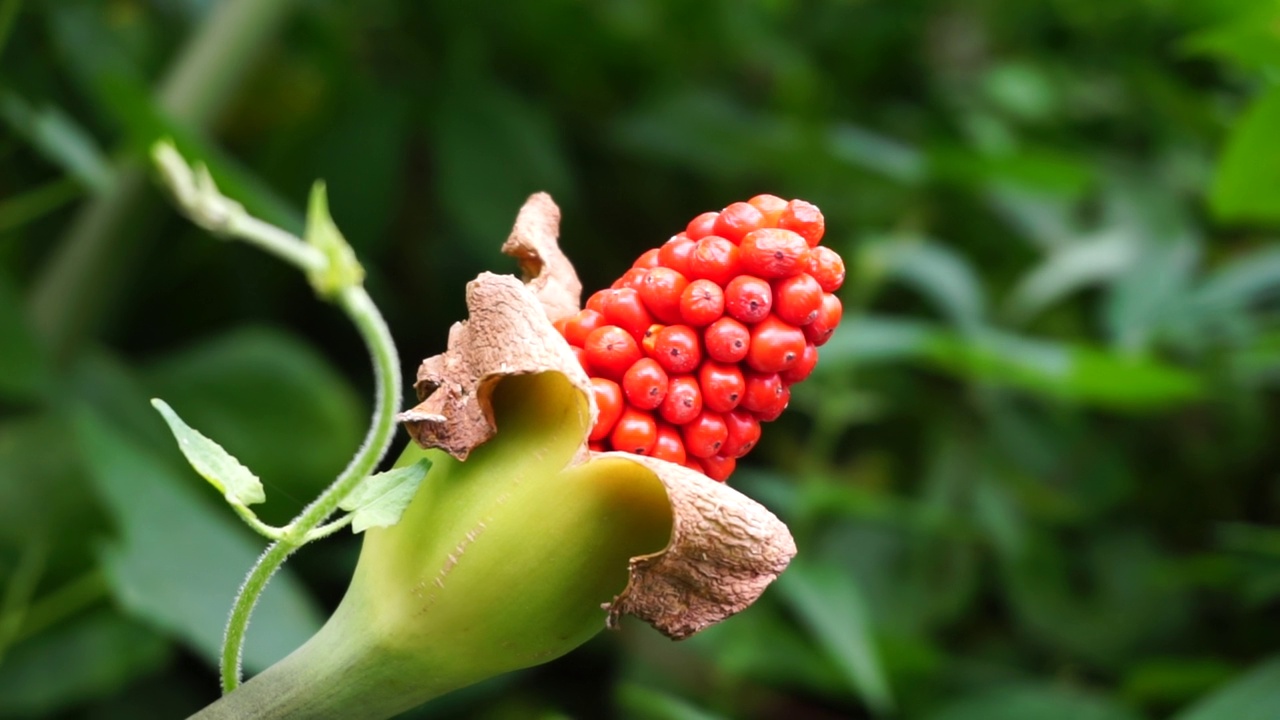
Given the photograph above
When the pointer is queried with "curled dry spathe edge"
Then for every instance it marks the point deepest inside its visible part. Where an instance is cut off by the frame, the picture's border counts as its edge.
(725, 548)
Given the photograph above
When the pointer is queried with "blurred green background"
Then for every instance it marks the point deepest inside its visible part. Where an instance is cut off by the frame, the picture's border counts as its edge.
(1034, 477)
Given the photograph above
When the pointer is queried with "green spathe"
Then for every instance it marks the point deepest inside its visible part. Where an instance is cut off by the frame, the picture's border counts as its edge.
(499, 563)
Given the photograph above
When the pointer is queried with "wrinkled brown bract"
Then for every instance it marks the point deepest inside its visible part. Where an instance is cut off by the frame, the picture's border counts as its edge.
(725, 548)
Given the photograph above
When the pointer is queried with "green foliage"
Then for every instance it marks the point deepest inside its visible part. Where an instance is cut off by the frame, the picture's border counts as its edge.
(236, 483)
(1033, 476)
(380, 499)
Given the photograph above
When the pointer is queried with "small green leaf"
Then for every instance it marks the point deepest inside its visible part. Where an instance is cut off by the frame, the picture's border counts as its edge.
(176, 562)
(343, 270)
(379, 500)
(224, 472)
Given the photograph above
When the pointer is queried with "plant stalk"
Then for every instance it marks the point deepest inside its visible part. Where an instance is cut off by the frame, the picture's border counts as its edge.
(95, 258)
(355, 301)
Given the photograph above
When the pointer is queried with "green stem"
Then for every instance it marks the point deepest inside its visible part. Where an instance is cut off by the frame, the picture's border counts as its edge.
(93, 260)
(270, 532)
(377, 338)
(330, 528)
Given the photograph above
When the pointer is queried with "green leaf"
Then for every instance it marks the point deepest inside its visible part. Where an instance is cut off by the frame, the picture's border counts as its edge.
(379, 500)
(343, 270)
(1041, 702)
(1151, 294)
(1072, 267)
(90, 657)
(931, 269)
(644, 703)
(60, 139)
(1248, 39)
(177, 562)
(265, 393)
(863, 148)
(830, 605)
(1255, 695)
(24, 375)
(1244, 189)
(1245, 280)
(1069, 371)
(224, 472)
(869, 339)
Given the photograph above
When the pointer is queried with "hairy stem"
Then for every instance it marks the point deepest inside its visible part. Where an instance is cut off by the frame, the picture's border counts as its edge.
(386, 363)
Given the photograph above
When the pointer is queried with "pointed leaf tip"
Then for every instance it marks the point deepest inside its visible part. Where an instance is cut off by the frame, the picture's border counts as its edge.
(380, 500)
(236, 483)
(342, 270)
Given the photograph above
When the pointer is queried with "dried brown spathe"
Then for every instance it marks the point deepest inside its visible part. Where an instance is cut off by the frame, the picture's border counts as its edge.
(725, 548)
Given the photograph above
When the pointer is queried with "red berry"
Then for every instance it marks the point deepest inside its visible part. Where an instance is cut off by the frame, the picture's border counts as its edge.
(772, 253)
(827, 267)
(797, 299)
(611, 351)
(744, 433)
(803, 367)
(676, 253)
(719, 467)
(771, 413)
(715, 259)
(805, 219)
(661, 291)
(683, 401)
(669, 446)
(581, 355)
(608, 398)
(648, 259)
(705, 434)
(726, 340)
(624, 308)
(596, 446)
(748, 299)
(645, 384)
(578, 327)
(630, 279)
(596, 301)
(676, 348)
(702, 226)
(762, 392)
(636, 432)
(722, 386)
(775, 345)
(771, 207)
(695, 465)
(819, 331)
(737, 220)
(648, 344)
(702, 303)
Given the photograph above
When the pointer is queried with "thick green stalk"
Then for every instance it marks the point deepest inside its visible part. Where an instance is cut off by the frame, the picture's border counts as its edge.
(377, 338)
(95, 259)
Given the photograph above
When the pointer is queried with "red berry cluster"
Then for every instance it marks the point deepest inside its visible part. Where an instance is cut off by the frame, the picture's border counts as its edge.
(700, 341)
